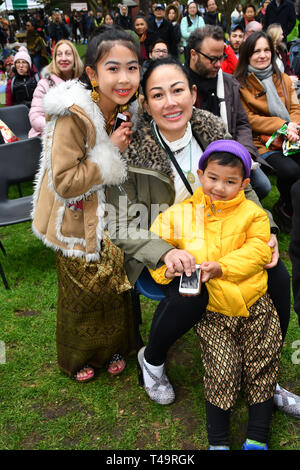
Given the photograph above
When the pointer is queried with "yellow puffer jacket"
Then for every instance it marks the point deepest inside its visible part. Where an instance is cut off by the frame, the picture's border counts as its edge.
(234, 233)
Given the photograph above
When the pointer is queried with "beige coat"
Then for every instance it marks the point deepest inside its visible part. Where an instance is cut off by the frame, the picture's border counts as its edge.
(78, 161)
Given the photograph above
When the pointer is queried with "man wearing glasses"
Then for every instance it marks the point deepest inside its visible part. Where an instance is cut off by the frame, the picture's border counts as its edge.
(218, 92)
(157, 50)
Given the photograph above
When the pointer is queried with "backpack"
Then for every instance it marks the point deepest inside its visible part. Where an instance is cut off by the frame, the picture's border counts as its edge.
(294, 56)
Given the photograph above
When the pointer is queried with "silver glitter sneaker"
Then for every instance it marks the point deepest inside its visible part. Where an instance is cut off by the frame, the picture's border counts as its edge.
(161, 391)
(287, 402)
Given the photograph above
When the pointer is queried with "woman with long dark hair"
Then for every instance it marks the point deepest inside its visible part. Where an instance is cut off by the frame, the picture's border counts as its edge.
(270, 101)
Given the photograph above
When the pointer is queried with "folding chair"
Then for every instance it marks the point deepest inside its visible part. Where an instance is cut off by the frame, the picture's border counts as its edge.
(146, 286)
(19, 162)
(17, 119)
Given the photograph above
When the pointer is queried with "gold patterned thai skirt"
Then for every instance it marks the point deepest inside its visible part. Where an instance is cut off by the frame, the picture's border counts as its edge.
(240, 352)
(94, 318)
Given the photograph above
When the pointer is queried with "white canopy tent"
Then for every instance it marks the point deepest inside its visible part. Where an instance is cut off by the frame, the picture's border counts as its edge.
(14, 5)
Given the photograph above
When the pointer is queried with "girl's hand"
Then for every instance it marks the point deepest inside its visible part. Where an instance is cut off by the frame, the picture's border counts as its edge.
(121, 137)
(292, 132)
(209, 270)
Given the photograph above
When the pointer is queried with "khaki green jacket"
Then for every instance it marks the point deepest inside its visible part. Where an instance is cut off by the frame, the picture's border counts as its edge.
(149, 190)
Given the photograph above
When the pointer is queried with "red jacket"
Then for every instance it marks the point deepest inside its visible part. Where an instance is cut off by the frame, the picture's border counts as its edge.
(230, 62)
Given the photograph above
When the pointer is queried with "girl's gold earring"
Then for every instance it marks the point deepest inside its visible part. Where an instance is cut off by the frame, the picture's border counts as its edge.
(94, 93)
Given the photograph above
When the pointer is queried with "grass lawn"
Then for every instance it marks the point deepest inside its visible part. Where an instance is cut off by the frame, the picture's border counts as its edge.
(40, 408)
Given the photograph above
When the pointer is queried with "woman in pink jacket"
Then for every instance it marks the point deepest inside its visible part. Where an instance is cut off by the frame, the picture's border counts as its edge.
(66, 64)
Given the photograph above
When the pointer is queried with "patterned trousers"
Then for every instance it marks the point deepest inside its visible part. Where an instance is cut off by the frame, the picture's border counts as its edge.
(240, 352)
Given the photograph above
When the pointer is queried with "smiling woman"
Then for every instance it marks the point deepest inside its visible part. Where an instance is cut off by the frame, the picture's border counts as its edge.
(66, 64)
(153, 181)
(270, 101)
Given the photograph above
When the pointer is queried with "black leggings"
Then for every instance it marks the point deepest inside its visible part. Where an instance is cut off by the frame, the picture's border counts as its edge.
(288, 172)
(294, 248)
(218, 420)
(175, 315)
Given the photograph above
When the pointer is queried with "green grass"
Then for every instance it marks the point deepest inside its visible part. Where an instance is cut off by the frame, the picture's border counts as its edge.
(40, 408)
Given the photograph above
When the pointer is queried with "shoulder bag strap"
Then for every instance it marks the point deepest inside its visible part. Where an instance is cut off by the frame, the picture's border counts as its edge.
(168, 151)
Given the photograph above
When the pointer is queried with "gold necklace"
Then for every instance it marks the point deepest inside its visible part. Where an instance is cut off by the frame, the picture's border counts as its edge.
(119, 109)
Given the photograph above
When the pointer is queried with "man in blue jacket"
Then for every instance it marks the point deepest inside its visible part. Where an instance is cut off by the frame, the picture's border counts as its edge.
(282, 12)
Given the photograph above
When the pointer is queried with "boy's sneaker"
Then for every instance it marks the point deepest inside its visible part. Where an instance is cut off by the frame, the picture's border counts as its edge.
(218, 448)
(254, 445)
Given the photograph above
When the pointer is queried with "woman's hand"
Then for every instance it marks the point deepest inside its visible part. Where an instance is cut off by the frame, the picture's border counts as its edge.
(273, 243)
(292, 132)
(121, 137)
(210, 270)
(177, 262)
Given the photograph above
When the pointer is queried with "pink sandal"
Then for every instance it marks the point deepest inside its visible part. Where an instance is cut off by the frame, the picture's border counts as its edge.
(87, 377)
(114, 359)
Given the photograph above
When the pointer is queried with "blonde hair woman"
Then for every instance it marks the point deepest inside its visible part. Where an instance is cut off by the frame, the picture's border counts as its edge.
(276, 34)
(65, 65)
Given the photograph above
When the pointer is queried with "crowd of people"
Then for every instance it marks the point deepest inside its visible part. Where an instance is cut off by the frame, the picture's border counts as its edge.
(211, 110)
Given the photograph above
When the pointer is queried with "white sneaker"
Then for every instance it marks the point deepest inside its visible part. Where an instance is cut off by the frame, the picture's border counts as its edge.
(161, 391)
(287, 402)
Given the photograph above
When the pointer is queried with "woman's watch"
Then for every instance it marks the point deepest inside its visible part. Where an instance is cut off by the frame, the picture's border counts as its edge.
(275, 231)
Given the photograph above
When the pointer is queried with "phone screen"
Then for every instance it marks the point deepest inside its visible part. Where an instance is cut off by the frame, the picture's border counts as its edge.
(120, 118)
(191, 282)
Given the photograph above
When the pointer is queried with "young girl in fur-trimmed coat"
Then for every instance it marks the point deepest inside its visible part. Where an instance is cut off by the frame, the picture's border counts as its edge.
(82, 155)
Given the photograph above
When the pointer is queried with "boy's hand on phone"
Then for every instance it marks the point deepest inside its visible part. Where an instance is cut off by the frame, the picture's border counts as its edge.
(121, 137)
(210, 270)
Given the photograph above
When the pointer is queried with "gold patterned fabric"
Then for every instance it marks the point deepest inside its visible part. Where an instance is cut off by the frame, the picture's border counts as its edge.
(240, 352)
(94, 319)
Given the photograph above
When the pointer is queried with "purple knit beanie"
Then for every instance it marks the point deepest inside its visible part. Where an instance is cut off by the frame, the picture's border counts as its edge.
(230, 146)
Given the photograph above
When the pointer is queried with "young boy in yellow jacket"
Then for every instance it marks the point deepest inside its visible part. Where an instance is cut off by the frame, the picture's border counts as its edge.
(240, 334)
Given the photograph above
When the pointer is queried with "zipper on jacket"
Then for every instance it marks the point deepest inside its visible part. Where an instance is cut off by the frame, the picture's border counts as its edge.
(26, 88)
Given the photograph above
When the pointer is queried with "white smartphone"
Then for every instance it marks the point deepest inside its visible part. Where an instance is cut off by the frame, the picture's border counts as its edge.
(190, 285)
(119, 119)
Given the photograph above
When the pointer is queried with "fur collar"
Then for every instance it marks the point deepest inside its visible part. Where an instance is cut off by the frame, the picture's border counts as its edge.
(60, 98)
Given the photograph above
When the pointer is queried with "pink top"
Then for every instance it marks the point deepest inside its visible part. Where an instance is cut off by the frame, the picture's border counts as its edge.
(36, 113)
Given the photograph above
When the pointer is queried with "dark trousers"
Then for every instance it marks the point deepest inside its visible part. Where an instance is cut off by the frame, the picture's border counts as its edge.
(294, 249)
(175, 315)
